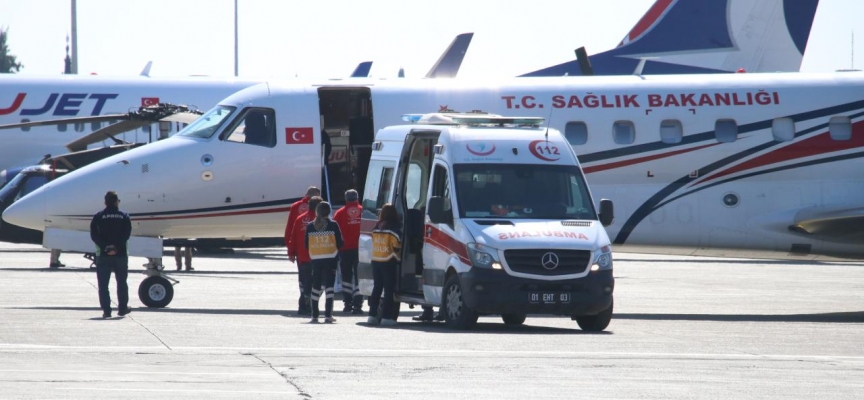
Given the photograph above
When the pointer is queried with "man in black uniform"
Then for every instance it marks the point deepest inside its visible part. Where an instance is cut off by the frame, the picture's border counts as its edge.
(110, 230)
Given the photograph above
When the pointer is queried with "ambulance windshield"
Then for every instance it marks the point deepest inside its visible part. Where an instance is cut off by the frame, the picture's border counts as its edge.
(206, 125)
(521, 191)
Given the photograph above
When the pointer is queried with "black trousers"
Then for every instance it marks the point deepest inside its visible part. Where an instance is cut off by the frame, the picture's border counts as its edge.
(304, 279)
(384, 276)
(323, 277)
(105, 265)
(350, 288)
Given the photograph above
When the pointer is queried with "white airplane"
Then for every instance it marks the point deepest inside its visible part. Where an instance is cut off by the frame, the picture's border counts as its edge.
(748, 161)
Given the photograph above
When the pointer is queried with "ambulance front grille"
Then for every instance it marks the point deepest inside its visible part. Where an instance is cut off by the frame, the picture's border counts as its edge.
(532, 261)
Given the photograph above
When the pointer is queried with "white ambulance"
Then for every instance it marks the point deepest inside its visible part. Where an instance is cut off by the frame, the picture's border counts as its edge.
(497, 220)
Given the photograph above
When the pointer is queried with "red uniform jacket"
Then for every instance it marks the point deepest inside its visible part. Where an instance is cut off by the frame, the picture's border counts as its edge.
(297, 209)
(297, 244)
(348, 218)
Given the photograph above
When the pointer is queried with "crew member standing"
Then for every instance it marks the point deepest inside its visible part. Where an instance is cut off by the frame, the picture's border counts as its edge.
(297, 251)
(299, 208)
(110, 230)
(386, 244)
(348, 218)
(323, 239)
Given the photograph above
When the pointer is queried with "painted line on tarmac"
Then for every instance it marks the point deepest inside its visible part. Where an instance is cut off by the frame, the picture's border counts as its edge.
(175, 390)
(137, 372)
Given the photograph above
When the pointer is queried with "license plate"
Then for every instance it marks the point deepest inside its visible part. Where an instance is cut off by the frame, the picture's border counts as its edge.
(553, 297)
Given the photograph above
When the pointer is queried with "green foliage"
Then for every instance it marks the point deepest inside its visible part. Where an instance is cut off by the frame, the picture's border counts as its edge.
(8, 62)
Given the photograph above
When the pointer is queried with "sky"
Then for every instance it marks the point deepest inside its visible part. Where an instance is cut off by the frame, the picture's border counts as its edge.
(328, 38)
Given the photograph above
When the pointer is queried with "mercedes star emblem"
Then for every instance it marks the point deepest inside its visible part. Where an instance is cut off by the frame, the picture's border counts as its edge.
(549, 261)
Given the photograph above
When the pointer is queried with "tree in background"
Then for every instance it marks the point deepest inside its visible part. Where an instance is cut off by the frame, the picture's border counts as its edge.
(8, 62)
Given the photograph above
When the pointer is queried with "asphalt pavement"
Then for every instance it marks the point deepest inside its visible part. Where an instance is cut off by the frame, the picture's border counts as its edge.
(684, 328)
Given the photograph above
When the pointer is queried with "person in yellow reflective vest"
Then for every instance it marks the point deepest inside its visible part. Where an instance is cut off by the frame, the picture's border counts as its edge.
(323, 240)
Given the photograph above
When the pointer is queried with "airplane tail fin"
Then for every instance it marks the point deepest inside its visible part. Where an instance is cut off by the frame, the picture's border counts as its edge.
(705, 36)
(448, 65)
(362, 70)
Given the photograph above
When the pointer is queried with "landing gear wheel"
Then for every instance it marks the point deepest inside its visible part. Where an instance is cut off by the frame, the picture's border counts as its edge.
(457, 315)
(396, 306)
(155, 292)
(513, 319)
(595, 323)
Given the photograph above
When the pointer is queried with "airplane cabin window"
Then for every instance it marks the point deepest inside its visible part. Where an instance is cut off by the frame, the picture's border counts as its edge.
(671, 131)
(726, 130)
(256, 126)
(61, 127)
(95, 125)
(624, 132)
(79, 127)
(840, 128)
(576, 133)
(25, 128)
(783, 129)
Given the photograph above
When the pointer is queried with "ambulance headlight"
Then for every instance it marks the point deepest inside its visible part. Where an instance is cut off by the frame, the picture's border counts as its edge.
(483, 256)
(603, 259)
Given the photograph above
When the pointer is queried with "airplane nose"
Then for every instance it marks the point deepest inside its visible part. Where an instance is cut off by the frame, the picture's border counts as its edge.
(28, 212)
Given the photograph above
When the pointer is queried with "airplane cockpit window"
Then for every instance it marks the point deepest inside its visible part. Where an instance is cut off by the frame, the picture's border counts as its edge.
(206, 125)
(256, 126)
(32, 183)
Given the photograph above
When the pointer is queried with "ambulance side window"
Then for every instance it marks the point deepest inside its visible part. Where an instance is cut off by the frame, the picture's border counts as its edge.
(379, 184)
(441, 187)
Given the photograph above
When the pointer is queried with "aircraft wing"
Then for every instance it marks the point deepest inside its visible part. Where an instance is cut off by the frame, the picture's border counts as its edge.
(448, 65)
(76, 120)
(143, 116)
(842, 223)
(107, 132)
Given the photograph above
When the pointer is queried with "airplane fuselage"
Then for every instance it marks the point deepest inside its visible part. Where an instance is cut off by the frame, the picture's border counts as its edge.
(759, 161)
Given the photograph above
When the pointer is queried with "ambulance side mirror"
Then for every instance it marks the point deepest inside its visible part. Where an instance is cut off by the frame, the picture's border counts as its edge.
(437, 213)
(607, 212)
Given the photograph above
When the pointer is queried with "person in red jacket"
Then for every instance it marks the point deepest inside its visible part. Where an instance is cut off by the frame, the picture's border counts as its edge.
(348, 219)
(297, 209)
(298, 252)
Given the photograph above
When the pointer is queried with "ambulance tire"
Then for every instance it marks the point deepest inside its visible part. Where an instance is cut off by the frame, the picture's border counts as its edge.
(396, 306)
(513, 319)
(595, 323)
(456, 313)
(155, 292)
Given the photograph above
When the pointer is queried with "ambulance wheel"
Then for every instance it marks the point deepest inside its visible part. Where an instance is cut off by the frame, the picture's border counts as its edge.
(155, 292)
(513, 319)
(595, 323)
(396, 306)
(457, 314)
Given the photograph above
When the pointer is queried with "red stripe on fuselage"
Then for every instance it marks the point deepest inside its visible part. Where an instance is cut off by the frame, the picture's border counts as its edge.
(447, 243)
(634, 161)
(213, 215)
(813, 146)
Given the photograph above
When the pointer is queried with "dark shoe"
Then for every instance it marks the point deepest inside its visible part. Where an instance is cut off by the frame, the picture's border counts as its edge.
(439, 317)
(179, 267)
(347, 308)
(188, 268)
(56, 265)
(358, 311)
(329, 320)
(124, 311)
(314, 320)
(427, 316)
(304, 311)
(106, 315)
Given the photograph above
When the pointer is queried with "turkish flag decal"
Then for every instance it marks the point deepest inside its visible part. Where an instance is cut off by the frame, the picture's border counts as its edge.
(149, 101)
(299, 136)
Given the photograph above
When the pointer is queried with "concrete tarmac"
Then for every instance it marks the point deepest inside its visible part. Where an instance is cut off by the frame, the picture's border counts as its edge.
(683, 328)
